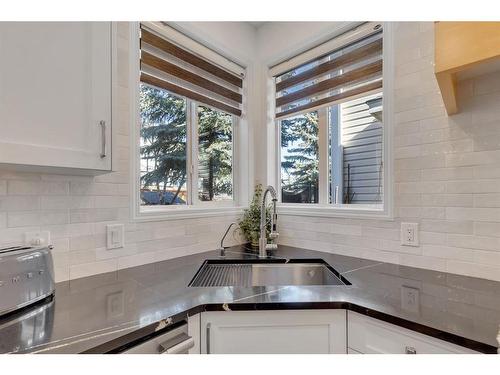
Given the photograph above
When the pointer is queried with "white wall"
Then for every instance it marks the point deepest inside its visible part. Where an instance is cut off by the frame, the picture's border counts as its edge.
(447, 174)
(77, 209)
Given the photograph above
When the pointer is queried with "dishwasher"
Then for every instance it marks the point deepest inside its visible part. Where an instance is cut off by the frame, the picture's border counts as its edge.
(175, 341)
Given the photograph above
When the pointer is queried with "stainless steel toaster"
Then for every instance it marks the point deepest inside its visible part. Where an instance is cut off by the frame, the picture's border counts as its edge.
(26, 276)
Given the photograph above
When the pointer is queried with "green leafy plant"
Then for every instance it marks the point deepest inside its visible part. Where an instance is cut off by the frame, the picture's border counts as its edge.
(250, 222)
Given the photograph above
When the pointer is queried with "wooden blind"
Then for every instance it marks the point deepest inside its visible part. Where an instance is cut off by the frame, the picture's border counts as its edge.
(168, 66)
(341, 75)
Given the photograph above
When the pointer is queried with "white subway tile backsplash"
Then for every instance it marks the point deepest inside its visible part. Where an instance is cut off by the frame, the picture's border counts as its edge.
(20, 187)
(474, 242)
(475, 214)
(447, 252)
(19, 203)
(487, 229)
(23, 219)
(487, 200)
(87, 269)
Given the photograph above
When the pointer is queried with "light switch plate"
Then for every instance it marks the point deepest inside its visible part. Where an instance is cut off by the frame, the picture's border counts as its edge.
(409, 234)
(114, 236)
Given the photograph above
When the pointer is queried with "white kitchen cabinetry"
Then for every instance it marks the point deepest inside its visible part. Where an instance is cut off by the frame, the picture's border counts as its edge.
(55, 95)
(367, 335)
(267, 332)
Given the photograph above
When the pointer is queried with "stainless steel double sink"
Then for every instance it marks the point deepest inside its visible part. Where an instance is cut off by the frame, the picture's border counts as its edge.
(276, 272)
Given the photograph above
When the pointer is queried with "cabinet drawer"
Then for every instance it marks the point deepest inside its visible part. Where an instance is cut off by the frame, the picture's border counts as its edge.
(176, 341)
(368, 335)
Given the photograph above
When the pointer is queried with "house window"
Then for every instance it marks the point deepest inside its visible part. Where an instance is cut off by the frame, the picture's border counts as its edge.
(215, 155)
(163, 147)
(189, 108)
(330, 124)
(299, 159)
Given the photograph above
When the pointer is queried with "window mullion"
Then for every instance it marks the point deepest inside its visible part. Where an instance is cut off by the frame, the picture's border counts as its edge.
(235, 160)
(193, 153)
(323, 156)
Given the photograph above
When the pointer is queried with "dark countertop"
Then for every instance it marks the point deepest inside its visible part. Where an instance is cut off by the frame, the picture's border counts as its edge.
(104, 312)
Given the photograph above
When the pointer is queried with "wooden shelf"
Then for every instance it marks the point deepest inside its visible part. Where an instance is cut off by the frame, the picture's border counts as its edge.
(462, 46)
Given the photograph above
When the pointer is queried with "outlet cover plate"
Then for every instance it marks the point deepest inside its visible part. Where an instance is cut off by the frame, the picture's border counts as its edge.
(409, 234)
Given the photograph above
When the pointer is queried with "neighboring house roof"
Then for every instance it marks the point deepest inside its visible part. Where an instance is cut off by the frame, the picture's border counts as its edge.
(154, 197)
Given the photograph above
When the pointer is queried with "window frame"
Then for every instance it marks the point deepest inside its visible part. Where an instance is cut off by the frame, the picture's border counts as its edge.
(194, 207)
(323, 208)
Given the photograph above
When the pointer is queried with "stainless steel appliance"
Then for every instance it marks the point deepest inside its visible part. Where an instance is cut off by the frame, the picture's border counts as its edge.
(26, 276)
(175, 341)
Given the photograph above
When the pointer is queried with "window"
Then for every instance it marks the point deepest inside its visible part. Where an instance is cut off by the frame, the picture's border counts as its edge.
(330, 124)
(188, 114)
(299, 159)
(215, 156)
(163, 150)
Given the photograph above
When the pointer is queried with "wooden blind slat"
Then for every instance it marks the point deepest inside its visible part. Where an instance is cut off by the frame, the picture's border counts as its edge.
(348, 59)
(172, 49)
(332, 83)
(186, 75)
(358, 90)
(154, 81)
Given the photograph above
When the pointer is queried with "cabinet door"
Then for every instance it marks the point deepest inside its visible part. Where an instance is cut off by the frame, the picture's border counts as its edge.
(266, 332)
(372, 336)
(55, 94)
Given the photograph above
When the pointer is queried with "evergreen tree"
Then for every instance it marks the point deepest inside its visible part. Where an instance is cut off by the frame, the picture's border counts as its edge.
(299, 135)
(215, 153)
(163, 129)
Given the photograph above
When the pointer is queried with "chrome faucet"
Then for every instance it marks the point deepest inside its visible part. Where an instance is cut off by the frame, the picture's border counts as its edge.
(222, 249)
(263, 245)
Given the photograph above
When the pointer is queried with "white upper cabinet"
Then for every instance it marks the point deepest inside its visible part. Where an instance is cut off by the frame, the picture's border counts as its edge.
(55, 96)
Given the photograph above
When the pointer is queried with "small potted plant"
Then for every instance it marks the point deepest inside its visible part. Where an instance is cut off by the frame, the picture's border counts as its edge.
(250, 222)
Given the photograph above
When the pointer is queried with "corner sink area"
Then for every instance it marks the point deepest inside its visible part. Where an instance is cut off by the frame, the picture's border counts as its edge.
(244, 273)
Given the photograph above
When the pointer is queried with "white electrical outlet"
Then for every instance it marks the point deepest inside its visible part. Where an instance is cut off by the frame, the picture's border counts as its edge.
(410, 299)
(114, 236)
(409, 234)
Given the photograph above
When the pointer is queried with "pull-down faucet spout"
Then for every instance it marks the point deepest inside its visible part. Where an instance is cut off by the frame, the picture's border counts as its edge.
(263, 245)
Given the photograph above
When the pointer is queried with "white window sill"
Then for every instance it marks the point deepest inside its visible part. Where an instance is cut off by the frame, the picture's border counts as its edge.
(347, 211)
(161, 213)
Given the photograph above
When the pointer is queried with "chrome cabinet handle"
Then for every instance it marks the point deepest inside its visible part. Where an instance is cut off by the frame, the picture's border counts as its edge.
(208, 338)
(102, 124)
(178, 344)
(410, 350)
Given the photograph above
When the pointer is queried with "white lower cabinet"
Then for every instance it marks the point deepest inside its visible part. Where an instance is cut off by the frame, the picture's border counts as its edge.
(369, 336)
(273, 332)
(309, 331)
